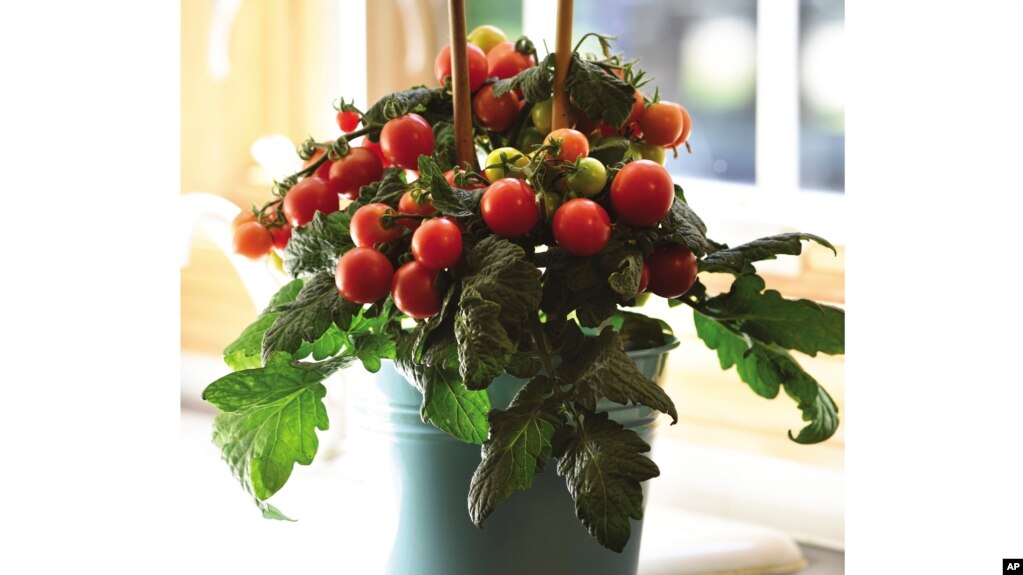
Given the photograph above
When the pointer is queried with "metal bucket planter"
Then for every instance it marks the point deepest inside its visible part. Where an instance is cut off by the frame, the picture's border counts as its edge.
(534, 532)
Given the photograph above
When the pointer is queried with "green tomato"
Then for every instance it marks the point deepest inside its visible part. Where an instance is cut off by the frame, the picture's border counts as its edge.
(529, 138)
(496, 165)
(646, 151)
(589, 179)
(486, 37)
(543, 116)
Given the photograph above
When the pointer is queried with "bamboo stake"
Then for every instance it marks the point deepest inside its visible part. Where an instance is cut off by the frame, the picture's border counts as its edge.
(562, 59)
(465, 150)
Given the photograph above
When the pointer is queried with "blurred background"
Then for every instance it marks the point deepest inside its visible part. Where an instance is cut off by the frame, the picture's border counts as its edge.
(764, 83)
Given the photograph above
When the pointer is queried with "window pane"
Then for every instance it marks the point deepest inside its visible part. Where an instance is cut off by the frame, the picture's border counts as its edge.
(700, 54)
(821, 95)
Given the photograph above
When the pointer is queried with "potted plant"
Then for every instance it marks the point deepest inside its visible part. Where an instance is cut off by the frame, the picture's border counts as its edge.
(498, 294)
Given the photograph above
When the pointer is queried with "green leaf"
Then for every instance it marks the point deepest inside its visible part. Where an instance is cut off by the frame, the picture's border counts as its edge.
(625, 281)
(536, 82)
(499, 293)
(316, 246)
(269, 421)
(603, 369)
(599, 94)
(372, 347)
(388, 190)
(739, 260)
(610, 150)
(447, 199)
(518, 448)
(307, 318)
(639, 331)
(327, 345)
(803, 325)
(444, 145)
(603, 465)
(682, 226)
(245, 352)
(764, 368)
(434, 104)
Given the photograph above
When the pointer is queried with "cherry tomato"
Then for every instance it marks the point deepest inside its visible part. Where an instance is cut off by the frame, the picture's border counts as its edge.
(644, 278)
(496, 114)
(529, 138)
(504, 61)
(348, 121)
(322, 172)
(252, 240)
(367, 225)
(672, 270)
(589, 177)
(486, 37)
(307, 197)
(509, 208)
(363, 275)
(638, 107)
(408, 205)
(281, 235)
(687, 127)
(583, 122)
(243, 217)
(477, 66)
(502, 163)
(375, 148)
(437, 244)
(414, 290)
(581, 227)
(405, 138)
(661, 123)
(542, 115)
(360, 167)
(574, 144)
(646, 151)
(450, 177)
(642, 193)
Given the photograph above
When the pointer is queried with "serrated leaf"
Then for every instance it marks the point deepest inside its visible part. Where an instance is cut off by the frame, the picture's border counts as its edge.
(316, 246)
(484, 348)
(603, 465)
(447, 199)
(307, 318)
(625, 281)
(372, 347)
(764, 368)
(603, 369)
(444, 145)
(739, 260)
(434, 104)
(518, 448)
(388, 190)
(610, 151)
(681, 225)
(269, 421)
(536, 82)
(246, 351)
(599, 94)
(327, 345)
(803, 325)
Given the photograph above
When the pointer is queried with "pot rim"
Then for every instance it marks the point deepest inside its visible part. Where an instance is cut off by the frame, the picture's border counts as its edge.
(671, 344)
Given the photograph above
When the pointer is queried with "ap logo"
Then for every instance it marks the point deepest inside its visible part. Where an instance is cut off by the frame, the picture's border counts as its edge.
(1014, 566)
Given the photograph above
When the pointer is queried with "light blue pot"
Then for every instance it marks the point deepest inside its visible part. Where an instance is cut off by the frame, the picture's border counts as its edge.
(533, 532)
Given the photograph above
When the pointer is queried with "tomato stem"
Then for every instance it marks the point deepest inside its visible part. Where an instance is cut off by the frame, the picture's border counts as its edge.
(548, 364)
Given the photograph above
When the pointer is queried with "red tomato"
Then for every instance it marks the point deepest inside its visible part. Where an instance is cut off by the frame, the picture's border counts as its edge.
(450, 177)
(581, 227)
(574, 144)
(307, 197)
(509, 208)
(407, 205)
(504, 61)
(496, 114)
(347, 121)
(367, 225)
(477, 66)
(281, 235)
(243, 217)
(405, 138)
(414, 290)
(363, 275)
(322, 172)
(644, 278)
(437, 244)
(360, 167)
(661, 123)
(642, 193)
(375, 148)
(672, 270)
(252, 240)
(638, 106)
(687, 127)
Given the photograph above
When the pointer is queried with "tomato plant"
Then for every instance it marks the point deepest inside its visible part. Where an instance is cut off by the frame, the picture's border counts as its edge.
(661, 123)
(252, 240)
(574, 144)
(502, 163)
(486, 37)
(367, 225)
(504, 61)
(437, 244)
(307, 197)
(347, 120)
(477, 66)
(359, 167)
(363, 275)
(509, 208)
(414, 290)
(496, 114)
(642, 193)
(588, 178)
(405, 138)
(672, 270)
(581, 227)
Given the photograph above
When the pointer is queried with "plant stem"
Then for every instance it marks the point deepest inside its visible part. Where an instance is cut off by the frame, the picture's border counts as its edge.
(548, 365)
(311, 168)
